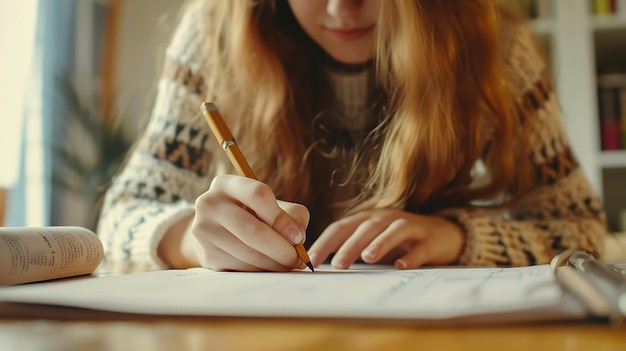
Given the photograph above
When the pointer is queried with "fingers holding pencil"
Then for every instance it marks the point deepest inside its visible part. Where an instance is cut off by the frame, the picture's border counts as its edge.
(231, 237)
(261, 200)
(245, 228)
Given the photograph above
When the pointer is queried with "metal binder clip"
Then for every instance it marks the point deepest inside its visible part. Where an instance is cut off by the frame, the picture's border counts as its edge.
(560, 259)
(592, 281)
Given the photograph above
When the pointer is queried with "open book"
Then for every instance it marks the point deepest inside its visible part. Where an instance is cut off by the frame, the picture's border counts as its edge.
(30, 254)
(449, 295)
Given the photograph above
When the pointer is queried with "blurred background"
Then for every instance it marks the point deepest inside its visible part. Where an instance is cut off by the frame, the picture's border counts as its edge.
(78, 82)
(79, 79)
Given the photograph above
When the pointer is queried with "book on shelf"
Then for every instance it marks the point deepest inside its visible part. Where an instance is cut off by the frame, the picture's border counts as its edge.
(622, 115)
(608, 7)
(603, 7)
(612, 110)
(32, 254)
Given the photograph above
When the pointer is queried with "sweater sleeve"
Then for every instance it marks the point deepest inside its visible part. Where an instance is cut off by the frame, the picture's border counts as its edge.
(168, 168)
(561, 211)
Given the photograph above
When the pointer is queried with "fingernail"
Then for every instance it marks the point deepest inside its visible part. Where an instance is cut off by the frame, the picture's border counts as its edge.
(370, 253)
(295, 235)
(400, 264)
(313, 257)
(339, 262)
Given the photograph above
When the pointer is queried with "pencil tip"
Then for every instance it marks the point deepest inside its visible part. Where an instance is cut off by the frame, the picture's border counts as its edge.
(310, 265)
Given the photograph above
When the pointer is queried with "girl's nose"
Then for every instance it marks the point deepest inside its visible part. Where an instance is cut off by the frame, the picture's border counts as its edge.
(344, 9)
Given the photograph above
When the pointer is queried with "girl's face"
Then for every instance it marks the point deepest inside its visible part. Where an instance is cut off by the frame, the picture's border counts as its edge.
(345, 29)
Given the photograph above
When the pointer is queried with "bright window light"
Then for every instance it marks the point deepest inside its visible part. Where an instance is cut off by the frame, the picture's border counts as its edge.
(17, 34)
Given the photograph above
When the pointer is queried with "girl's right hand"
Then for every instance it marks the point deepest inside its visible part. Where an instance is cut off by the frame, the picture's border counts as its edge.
(239, 225)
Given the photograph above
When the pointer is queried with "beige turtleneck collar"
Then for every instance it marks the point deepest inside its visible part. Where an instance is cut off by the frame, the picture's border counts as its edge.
(352, 93)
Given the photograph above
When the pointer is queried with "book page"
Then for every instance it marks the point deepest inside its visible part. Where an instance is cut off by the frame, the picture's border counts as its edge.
(420, 294)
(30, 254)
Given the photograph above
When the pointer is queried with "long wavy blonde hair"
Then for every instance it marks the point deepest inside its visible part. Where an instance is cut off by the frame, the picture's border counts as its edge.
(444, 101)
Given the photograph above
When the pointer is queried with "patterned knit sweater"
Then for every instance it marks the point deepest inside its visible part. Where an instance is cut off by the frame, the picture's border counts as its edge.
(171, 166)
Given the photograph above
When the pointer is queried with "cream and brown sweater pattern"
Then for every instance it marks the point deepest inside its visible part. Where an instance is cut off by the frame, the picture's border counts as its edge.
(173, 164)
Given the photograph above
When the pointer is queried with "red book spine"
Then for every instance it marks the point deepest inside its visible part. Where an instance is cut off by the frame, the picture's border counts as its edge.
(611, 139)
(622, 115)
(609, 121)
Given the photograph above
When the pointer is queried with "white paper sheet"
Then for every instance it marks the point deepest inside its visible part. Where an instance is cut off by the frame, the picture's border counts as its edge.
(491, 294)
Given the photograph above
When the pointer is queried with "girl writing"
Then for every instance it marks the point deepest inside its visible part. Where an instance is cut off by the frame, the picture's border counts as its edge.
(412, 132)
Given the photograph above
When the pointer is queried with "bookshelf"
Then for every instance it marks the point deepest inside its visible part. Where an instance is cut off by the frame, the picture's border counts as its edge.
(585, 39)
(612, 159)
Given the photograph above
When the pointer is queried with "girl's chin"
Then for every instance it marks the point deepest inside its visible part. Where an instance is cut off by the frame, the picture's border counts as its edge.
(351, 60)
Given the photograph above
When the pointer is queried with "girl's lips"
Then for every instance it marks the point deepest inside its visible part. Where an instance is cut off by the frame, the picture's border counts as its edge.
(350, 34)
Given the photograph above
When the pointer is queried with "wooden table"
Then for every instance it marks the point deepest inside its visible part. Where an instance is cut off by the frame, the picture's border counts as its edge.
(317, 335)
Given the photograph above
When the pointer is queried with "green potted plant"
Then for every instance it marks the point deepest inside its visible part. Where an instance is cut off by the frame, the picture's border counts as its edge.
(91, 148)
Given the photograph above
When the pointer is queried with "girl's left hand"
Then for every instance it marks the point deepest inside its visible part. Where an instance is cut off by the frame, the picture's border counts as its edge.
(389, 235)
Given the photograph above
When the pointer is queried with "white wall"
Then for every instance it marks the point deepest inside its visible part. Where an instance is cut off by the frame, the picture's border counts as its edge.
(145, 27)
